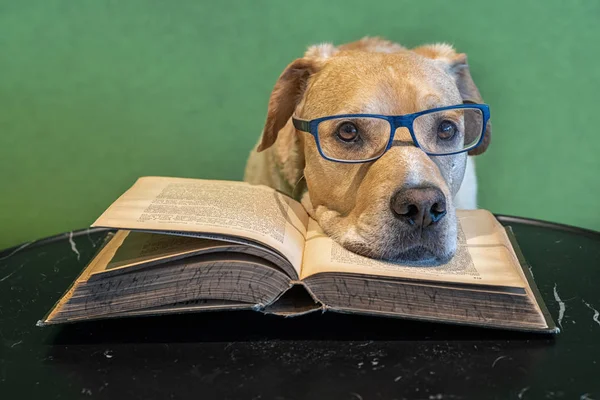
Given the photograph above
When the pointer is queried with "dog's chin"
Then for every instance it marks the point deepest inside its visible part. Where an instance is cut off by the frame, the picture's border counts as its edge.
(392, 239)
(418, 256)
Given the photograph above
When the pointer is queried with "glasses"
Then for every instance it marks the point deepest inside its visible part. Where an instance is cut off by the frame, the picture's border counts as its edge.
(357, 138)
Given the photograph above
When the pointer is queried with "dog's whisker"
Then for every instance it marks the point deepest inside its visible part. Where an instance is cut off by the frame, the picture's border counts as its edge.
(294, 194)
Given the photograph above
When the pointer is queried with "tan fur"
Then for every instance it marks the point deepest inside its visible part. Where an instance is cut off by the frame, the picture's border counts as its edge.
(351, 201)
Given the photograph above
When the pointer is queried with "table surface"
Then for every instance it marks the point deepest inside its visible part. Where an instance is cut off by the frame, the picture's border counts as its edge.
(329, 356)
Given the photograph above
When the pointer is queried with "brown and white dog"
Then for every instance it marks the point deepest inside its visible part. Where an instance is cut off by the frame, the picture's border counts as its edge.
(352, 202)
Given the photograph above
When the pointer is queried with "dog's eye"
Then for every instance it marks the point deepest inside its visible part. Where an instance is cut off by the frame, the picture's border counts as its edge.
(447, 130)
(347, 132)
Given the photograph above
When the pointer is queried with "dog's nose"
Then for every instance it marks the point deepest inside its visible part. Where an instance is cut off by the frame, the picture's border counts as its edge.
(420, 206)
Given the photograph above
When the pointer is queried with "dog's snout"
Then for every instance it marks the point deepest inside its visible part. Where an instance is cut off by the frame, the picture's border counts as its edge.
(419, 206)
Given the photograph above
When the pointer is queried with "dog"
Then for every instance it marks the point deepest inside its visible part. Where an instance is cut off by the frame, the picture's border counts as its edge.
(401, 206)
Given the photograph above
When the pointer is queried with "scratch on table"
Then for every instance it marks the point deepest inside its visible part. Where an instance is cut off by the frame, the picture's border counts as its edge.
(55, 265)
(497, 359)
(585, 396)
(596, 313)
(561, 307)
(16, 250)
(73, 246)
(87, 232)
(229, 345)
(12, 273)
(522, 392)
(358, 396)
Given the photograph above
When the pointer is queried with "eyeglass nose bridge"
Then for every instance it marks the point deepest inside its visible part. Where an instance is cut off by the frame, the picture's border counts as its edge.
(402, 121)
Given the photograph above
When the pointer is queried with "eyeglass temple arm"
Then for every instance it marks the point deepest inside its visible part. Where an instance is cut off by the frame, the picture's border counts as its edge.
(301, 124)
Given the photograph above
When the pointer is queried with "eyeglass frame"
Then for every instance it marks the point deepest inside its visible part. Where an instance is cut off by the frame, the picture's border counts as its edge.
(395, 121)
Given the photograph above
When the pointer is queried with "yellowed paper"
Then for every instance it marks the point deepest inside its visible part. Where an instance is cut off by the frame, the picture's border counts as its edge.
(218, 207)
(140, 247)
(483, 257)
(143, 248)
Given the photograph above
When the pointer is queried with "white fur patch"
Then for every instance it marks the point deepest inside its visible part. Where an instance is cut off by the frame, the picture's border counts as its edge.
(321, 51)
(466, 198)
(445, 51)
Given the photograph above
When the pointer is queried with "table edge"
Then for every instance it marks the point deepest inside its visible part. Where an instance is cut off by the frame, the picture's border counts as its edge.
(40, 242)
(508, 219)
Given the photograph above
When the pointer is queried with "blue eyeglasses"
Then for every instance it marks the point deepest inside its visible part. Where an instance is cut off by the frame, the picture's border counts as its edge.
(358, 138)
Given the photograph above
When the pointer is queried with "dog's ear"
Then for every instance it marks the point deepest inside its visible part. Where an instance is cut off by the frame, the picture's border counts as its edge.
(285, 96)
(456, 64)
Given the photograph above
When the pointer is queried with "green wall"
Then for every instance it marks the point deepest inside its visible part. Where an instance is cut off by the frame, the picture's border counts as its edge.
(96, 93)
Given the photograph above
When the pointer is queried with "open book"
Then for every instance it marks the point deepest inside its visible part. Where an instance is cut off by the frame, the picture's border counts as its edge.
(187, 245)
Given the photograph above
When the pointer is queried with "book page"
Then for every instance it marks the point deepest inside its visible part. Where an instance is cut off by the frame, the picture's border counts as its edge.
(141, 247)
(484, 256)
(230, 208)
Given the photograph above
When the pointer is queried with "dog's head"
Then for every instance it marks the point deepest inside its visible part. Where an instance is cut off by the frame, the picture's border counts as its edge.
(399, 206)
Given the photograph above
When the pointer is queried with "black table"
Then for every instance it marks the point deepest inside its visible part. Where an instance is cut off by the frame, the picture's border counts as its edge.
(248, 355)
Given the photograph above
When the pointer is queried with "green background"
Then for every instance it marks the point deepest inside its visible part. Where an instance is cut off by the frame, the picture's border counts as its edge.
(96, 93)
